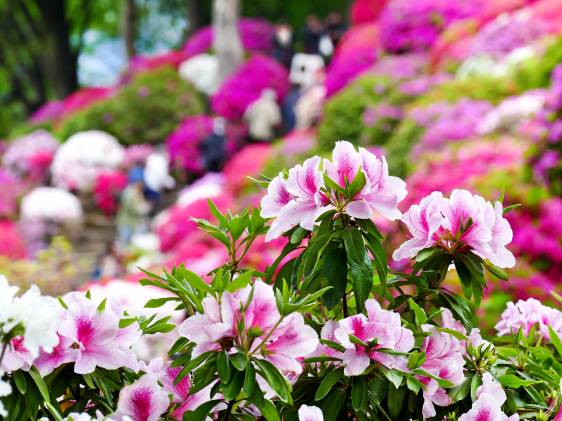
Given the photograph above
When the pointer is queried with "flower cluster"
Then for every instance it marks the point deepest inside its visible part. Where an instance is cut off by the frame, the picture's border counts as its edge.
(246, 84)
(30, 155)
(462, 222)
(107, 187)
(83, 156)
(381, 330)
(248, 319)
(414, 26)
(183, 144)
(444, 122)
(527, 314)
(301, 197)
(488, 405)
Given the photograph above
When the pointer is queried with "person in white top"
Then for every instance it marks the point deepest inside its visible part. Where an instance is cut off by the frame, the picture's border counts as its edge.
(263, 116)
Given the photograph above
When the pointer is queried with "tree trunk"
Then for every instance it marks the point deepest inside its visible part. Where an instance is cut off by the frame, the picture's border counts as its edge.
(195, 17)
(226, 41)
(129, 27)
(60, 62)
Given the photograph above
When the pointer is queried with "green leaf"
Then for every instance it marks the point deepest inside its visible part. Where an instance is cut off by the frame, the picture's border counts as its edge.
(101, 306)
(413, 384)
(196, 362)
(328, 382)
(276, 380)
(250, 383)
(333, 185)
(513, 382)
(239, 361)
(217, 213)
(332, 405)
(54, 412)
(395, 399)
(223, 366)
(232, 389)
(356, 185)
(496, 271)
(394, 376)
(555, 339)
(202, 411)
(313, 253)
(419, 313)
(298, 234)
(426, 254)
(361, 274)
(510, 208)
(40, 382)
(268, 411)
(159, 302)
(195, 281)
(458, 393)
(358, 393)
(335, 272)
(19, 379)
(240, 282)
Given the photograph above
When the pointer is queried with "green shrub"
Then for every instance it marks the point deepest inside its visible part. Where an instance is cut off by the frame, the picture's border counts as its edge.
(535, 72)
(343, 114)
(144, 111)
(397, 149)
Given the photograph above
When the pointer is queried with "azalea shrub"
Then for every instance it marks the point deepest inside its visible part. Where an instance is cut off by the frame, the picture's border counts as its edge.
(146, 110)
(327, 331)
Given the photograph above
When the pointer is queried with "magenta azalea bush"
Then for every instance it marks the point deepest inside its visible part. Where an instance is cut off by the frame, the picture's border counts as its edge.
(246, 84)
(255, 34)
(415, 26)
(325, 332)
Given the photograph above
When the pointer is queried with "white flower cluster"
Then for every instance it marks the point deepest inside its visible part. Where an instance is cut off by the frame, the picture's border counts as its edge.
(35, 314)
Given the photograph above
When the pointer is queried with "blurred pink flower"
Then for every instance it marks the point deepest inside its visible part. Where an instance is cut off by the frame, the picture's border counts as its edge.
(242, 88)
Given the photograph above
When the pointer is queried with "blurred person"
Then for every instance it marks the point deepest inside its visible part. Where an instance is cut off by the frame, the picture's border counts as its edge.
(313, 31)
(108, 264)
(335, 27)
(156, 177)
(307, 70)
(283, 43)
(213, 147)
(133, 210)
(263, 116)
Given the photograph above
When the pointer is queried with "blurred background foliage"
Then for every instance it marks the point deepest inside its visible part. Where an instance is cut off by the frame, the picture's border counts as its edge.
(51, 48)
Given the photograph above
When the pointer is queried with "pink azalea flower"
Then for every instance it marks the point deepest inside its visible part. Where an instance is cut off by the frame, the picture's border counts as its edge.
(96, 336)
(166, 375)
(17, 356)
(281, 341)
(144, 400)
(310, 413)
(307, 201)
(381, 193)
(383, 325)
(444, 359)
(291, 340)
(465, 221)
(61, 354)
(526, 314)
(487, 407)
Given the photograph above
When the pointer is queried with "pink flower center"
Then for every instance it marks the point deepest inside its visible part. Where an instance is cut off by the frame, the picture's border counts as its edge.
(141, 403)
(484, 415)
(84, 329)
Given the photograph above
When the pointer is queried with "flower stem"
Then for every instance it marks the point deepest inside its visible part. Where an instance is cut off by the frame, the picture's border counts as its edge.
(344, 305)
